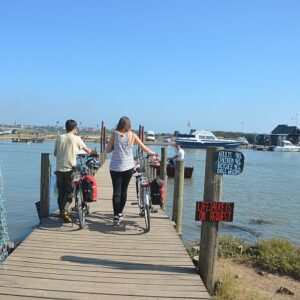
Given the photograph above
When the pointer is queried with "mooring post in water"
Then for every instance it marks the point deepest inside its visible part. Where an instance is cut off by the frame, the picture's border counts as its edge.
(178, 195)
(142, 138)
(163, 170)
(102, 142)
(209, 230)
(44, 188)
(138, 151)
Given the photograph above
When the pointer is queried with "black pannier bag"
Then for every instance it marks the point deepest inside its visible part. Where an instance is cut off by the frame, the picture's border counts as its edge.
(157, 191)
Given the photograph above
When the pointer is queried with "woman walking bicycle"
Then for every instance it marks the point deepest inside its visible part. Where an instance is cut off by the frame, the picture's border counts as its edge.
(122, 164)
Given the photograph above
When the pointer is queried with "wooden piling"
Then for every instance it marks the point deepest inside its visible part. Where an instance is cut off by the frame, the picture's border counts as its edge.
(178, 195)
(102, 142)
(154, 173)
(163, 170)
(209, 230)
(44, 187)
(142, 139)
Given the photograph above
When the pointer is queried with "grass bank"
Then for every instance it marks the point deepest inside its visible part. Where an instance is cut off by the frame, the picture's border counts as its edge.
(255, 271)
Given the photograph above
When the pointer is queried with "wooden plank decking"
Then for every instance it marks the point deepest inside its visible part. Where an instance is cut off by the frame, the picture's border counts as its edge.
(59, 261)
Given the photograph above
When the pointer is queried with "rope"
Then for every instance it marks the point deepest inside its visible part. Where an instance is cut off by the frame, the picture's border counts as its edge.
(4, 239)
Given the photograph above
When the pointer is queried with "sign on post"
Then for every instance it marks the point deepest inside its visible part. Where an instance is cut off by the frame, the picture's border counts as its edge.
(228, 162)
(214, 211)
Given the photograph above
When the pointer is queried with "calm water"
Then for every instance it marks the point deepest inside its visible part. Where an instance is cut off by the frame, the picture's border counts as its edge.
(267, 190)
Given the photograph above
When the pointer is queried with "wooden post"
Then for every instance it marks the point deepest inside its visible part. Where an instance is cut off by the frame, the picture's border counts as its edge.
(154, 173)
(163, 170)
(178, 195)
(140, 136)
(148, 169)
(102, 144)
(209, 230)
(150, 172)
(45, 184)
(142, 139)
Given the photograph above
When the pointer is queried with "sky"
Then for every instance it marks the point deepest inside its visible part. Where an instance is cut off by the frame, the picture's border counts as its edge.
(226, 65)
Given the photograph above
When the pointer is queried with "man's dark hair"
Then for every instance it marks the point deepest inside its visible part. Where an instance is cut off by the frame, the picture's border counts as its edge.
(124, 124)
(70, 125)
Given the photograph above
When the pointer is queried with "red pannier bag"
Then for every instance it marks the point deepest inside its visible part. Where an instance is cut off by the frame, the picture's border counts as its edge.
(89, 188)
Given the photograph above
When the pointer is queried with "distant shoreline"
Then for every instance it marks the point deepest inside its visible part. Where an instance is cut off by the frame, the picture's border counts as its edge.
(94, 139)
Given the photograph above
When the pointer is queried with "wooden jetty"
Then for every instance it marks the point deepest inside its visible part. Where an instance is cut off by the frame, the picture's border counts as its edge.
(59, 261)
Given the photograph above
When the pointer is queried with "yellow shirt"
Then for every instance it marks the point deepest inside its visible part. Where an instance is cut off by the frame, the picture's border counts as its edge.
(66, 148)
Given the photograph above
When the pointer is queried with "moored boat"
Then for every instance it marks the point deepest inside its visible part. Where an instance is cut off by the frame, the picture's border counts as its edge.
(203, 139)
(188, 171)
(287, 146)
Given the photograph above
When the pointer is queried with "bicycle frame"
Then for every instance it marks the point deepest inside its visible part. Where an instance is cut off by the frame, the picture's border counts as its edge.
(143, 196)
(81, 207)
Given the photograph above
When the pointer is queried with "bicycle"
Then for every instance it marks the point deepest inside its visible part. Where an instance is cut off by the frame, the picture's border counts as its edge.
(83, 168)
(143, 193)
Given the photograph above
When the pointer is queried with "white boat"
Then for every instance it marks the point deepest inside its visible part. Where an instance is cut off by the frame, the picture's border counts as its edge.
(203, 139)
(287, 146)
(243, 140)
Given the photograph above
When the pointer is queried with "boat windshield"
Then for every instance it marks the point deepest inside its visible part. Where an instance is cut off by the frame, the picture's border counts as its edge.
(206, 137)
(210, 137)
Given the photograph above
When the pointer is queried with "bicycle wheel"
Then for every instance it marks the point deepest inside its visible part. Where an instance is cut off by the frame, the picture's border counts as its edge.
(140, 195)
(147, 211)
(81, 208)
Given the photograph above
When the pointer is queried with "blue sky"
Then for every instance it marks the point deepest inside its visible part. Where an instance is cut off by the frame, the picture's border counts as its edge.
(225, 65)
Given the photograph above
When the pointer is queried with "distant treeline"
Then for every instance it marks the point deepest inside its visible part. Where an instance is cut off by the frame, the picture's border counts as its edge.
(52, 130)
(233, 135)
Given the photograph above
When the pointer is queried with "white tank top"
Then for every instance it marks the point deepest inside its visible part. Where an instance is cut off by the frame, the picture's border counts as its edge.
(122, 156)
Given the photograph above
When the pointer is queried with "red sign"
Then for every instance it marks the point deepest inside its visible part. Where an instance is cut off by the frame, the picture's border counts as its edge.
(214, 211)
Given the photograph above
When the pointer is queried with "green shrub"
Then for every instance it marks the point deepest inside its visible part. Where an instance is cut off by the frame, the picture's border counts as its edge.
(230, 247)
(276, 256)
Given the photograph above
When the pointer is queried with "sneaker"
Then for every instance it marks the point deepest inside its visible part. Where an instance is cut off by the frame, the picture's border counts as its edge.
(66, 217)
(116, 221)
(121, 217)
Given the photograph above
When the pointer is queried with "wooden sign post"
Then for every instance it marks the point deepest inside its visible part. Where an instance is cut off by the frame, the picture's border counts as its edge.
(211, 211)
(44, 203)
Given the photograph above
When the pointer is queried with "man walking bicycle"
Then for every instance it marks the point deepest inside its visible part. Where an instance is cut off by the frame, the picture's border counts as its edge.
(67, 146)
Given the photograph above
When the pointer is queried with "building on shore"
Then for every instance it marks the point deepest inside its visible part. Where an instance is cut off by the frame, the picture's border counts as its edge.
(278, 134)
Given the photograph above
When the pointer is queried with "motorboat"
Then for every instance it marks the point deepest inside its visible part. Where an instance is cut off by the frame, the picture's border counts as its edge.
(204, 139)
(243, 141)
(287, 146)
(188, 171)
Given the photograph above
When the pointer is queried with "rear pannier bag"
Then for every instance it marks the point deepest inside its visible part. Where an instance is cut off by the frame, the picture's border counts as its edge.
(89, 188)
(157, 191)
